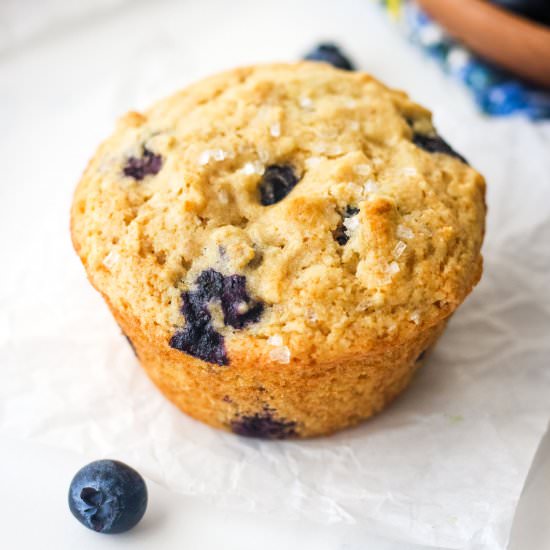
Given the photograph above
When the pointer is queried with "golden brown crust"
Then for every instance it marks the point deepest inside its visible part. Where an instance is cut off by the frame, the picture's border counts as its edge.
(343, 321)
(316, 399)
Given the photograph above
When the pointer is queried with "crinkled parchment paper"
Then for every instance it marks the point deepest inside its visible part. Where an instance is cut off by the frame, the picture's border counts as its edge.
(444, 466)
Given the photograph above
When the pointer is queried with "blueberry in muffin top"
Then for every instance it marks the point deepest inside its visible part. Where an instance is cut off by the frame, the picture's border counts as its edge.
(341, 233)
(148, 164)
(277, 182)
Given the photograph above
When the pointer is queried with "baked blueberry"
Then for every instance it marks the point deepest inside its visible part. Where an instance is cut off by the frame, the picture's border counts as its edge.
(277, 182)
(199, 338)
(350, 211)
(263, 426)
(108, 496)
(239, 309)
(148, 164)
(131, 344)
(436, 144)
(340, 233)
(330, 53)
(204, 343)
(209, 285)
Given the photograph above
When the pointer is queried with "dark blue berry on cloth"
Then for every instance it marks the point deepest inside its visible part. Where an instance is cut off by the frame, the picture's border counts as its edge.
(198, 337)
(330, 53)
(148, 164)
(263, 425)
(340, 234)
(436, 144)
(276, 183)
(108, 496)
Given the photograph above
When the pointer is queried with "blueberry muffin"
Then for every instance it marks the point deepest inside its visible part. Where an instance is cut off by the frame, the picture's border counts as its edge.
(281, 244)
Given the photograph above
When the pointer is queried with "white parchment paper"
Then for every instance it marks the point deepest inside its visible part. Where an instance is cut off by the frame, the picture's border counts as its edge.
(444, 466)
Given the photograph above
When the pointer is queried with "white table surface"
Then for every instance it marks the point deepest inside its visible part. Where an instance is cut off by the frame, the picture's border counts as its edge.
(49, 53)
(34, 513)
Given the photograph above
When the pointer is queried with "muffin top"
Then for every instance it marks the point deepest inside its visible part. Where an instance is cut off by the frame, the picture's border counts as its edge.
(298, 210)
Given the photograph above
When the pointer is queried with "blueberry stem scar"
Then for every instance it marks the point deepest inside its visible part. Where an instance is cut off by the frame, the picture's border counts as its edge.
(108, 496)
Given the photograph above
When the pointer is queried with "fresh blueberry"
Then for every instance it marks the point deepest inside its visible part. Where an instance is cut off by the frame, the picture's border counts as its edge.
(340, 235)
(108, 496)
(148, 164)
(436, 144)
(263, 426)
(277, 182)
(198, 337)
(330, 53)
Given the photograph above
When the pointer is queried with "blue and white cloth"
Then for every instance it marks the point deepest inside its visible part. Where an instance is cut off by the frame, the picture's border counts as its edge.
(496, 91)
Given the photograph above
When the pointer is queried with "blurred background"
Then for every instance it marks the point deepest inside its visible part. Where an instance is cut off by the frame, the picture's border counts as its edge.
(499, 49)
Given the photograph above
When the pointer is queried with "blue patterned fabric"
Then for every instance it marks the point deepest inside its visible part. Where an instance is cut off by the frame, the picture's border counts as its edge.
(496, 91)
